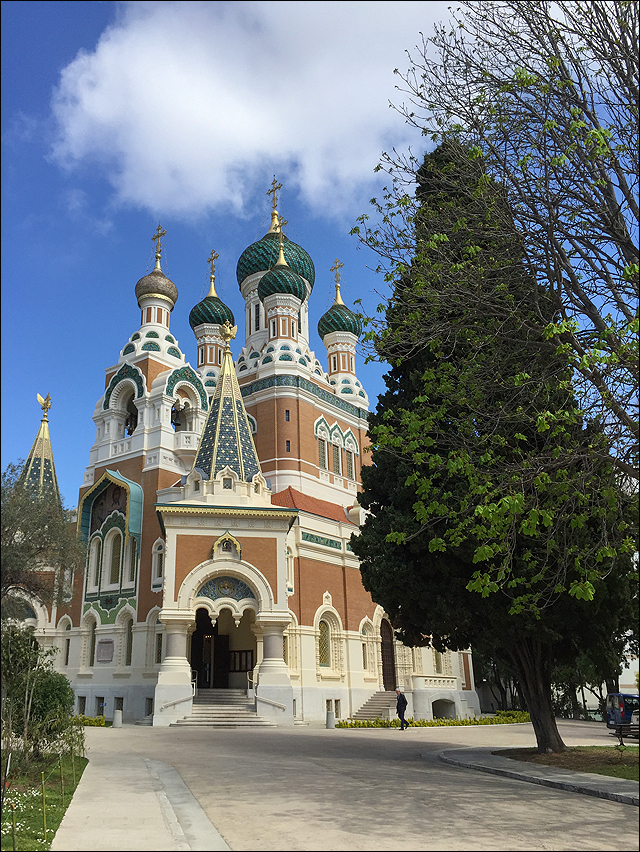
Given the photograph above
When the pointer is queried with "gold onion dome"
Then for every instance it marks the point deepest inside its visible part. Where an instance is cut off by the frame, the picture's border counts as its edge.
(156, 282)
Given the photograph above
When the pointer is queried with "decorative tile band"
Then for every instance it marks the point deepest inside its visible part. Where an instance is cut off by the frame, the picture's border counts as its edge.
(304, 384)
(319, 539)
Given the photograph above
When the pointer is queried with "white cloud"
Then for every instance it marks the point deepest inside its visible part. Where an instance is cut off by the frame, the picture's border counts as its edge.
(188, 106)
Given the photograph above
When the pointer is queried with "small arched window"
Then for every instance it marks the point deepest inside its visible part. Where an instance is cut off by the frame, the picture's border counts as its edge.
(158, 564)
(92, 643)
(94, 563)
(67, 643)
(128, 642)
(324, 644)
(115, 558)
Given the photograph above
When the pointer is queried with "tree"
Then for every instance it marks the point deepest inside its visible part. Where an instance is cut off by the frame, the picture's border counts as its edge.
(547, 94)
(480, 453)
(40, 547)
(492, 410)
(37, 701)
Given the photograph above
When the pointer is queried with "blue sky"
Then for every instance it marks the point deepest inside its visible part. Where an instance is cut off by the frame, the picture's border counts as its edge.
(118, 115)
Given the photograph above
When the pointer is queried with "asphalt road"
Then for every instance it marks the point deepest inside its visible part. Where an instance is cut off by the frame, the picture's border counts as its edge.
(309, 788)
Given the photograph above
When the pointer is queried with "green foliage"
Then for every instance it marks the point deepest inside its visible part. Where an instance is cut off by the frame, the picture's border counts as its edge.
(24, 793)
(90, 721)
(496, 517)
(508, 717)
(40, 547)
(36, 700)
(544, 96)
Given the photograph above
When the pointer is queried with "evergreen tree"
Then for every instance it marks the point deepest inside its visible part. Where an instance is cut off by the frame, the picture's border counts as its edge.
(488, 501)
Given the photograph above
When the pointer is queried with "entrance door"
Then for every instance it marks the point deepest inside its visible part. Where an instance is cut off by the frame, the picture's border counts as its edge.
(221, 662)
(202, 644)
(388, 657)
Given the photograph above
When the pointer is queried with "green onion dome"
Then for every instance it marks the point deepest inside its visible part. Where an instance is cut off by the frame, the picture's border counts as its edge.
(156, 283)
(263, 255)
(210, 311)
(281, 279)
(339, 318)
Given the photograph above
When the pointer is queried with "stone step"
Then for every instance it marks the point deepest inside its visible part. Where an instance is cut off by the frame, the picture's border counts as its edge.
(377, 706)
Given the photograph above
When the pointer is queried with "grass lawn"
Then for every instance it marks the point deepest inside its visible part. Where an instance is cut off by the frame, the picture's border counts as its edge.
(601, 760)
(24, 791)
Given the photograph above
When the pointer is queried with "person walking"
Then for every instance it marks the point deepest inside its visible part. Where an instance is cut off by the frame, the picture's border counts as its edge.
(401, 706)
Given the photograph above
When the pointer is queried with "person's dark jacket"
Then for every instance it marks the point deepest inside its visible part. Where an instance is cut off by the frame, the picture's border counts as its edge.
(401, 703)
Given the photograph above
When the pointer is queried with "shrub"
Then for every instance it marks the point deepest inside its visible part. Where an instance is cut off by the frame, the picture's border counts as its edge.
(505, 717)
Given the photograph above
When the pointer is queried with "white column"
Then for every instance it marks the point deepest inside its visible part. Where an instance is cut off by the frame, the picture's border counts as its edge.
(173, 695)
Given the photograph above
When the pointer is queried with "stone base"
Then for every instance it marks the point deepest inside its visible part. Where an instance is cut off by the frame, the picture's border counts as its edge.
(167, 694)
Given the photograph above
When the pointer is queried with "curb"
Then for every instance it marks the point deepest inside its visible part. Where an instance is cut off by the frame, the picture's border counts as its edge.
(589, 784)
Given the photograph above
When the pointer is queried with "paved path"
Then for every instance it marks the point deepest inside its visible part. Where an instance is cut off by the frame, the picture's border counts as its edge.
(309, 788)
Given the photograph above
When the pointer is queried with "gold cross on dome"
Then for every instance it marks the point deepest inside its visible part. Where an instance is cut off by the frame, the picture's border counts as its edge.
(159, 234)
(337, 266)
(212, 260)
(275, 187)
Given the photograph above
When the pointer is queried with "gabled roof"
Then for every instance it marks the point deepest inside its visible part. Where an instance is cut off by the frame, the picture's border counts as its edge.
(292, 499)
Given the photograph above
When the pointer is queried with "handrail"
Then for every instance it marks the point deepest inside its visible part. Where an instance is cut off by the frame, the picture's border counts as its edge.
(269, 701)
(177, 701)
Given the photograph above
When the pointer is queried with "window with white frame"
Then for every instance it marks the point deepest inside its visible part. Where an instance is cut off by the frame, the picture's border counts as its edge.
(91, 649)
(324, 644)
(128, 641)
(94, 562)
(67, 643)
(336, 459)
(157, 571)
(132, 553)
(112, 562)
(322, 454)
(349, 460)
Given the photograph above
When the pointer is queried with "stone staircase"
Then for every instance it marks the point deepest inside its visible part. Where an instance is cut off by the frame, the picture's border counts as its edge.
(223, 708)
(377, 706)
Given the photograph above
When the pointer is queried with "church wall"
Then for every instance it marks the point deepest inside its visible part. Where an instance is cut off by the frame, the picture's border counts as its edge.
(192, 550)
(263, 553)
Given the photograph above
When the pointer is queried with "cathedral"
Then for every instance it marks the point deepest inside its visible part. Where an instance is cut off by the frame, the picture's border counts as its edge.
(218, 507)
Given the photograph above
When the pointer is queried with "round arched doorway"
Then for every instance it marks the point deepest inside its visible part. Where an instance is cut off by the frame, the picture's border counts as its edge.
(388, 656)
(222, 652)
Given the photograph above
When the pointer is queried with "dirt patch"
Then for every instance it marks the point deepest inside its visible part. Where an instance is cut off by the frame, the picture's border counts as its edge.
(602, 760)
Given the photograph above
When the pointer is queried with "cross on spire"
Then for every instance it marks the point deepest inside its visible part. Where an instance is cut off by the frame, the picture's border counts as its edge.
(275, 187)
(337, 266)
(212, 261)
(159, 234)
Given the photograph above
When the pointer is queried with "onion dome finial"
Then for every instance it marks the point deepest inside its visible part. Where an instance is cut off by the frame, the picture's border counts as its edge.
(211, 310)
(339, 317)
(156, 282)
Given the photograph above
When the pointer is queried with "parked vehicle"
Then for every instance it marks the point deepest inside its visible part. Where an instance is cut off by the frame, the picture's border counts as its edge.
(620, 707)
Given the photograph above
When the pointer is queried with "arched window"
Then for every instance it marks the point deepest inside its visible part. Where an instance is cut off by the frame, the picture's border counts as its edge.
(94, 563)
(128, 642)
(67, 643)
(132, 553)
(157, 573)
(324, 644)
(92, 643)
(114, 557)
(437, 658)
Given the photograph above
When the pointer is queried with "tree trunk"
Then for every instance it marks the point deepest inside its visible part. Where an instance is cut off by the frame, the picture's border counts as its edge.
(533, 666)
